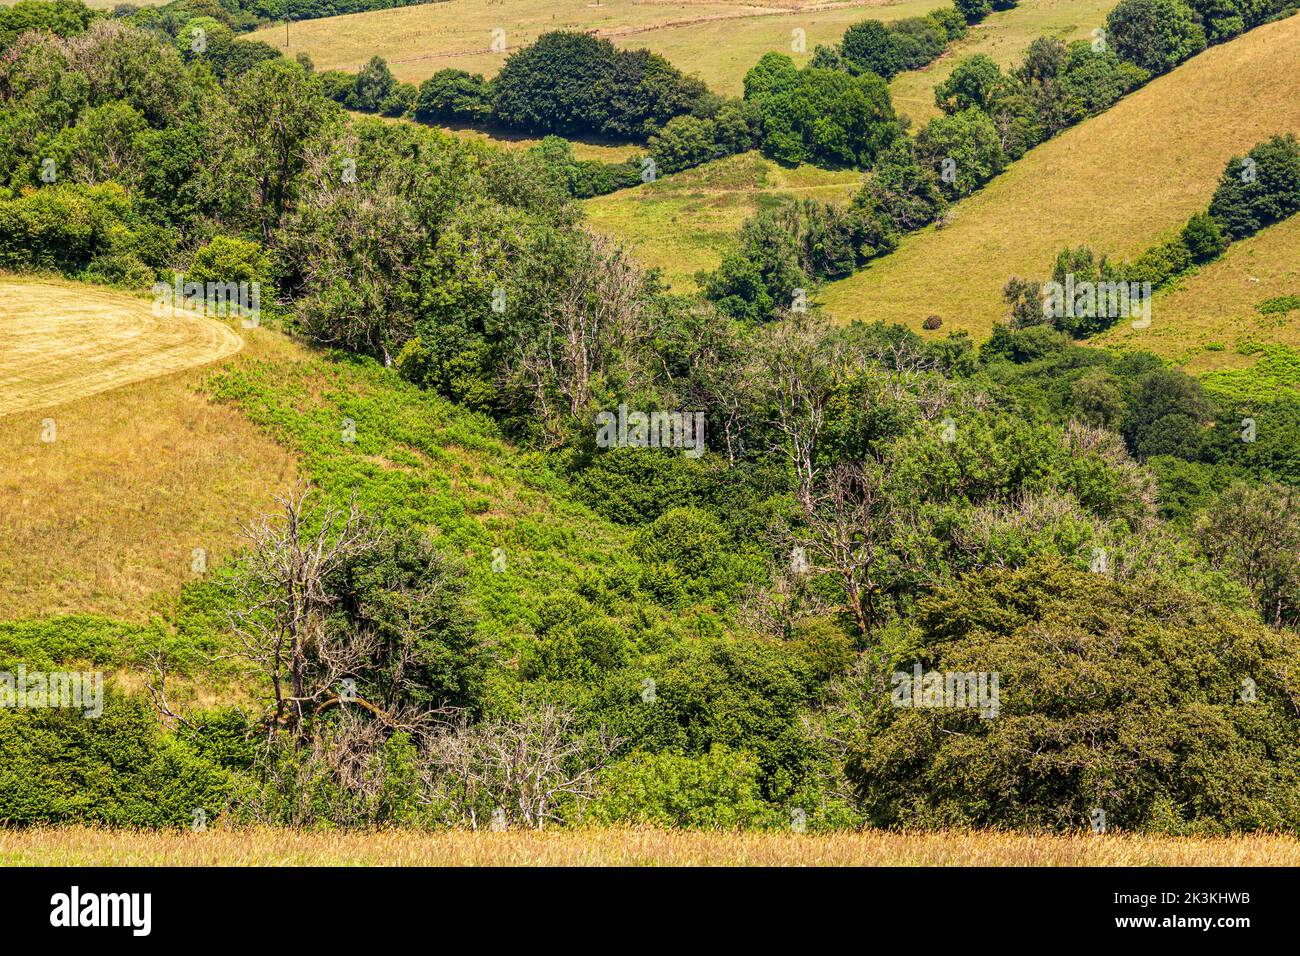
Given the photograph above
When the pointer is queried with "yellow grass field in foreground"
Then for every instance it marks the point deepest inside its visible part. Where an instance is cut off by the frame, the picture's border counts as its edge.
(80, 846)
(62, 341)
(717, 39)
(1119, 182)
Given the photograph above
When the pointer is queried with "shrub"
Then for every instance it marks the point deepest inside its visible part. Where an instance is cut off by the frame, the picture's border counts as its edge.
(973, 10)
(84, 230)
(453, 96)
(691, 540)
(1259, 189)
(717, 790)
(826, 117)
(1134, 706)
(228, 259)
(964, 148)
(1203, 238)
(868, 47)
(916, 42)
(684, 142)
(119, 770)
(952, 20)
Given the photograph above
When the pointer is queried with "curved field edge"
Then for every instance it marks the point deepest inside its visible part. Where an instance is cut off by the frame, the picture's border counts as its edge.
(62, 341)
(106, 518)
(1119, 182)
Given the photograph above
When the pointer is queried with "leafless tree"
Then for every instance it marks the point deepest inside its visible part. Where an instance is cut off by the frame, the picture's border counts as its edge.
(283, 604)
(530, 767)
(849, 523)
(592, 327)
(802, 365)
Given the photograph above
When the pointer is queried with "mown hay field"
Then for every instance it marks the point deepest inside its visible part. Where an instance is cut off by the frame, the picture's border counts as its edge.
(1118, 182)
(81, 846)
(105, 495)
(716, 39)
(60, 341)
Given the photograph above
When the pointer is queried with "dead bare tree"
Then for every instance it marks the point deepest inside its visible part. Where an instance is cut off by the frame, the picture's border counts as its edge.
(594, 324)
(529, 767)
(849, 523)
(281, 616)
(802, 363)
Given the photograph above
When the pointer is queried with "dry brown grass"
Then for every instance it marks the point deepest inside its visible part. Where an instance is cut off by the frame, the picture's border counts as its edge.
(105, 518)
(60, 341)
(79, 846)
(1118, 182)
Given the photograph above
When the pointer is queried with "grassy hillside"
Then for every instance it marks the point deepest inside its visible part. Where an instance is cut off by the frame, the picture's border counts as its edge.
(1002, 36)
(1211, 320)
(107, 516)
(718, 40)
(684, 222)
(420, 461)
(1119, 182)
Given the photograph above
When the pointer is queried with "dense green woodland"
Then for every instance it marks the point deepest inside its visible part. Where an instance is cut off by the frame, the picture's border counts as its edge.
(632, 634)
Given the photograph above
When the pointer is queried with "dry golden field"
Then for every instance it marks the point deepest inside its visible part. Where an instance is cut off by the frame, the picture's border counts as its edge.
(1118, 182)
(80, 846)
(717, 39)
(60, 341)
(105, 517)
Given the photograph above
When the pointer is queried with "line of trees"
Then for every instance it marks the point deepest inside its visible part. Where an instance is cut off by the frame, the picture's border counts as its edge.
(991, 118)
(1255, 191)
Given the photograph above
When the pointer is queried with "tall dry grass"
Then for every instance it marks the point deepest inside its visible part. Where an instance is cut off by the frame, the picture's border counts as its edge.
(81, 846)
